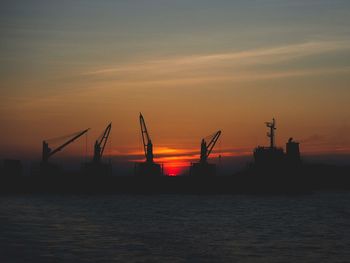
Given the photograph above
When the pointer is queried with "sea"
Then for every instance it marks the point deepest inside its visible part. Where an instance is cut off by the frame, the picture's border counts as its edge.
(175, 228)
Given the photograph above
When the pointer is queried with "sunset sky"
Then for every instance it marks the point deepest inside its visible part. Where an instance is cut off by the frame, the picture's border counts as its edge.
(191, 67)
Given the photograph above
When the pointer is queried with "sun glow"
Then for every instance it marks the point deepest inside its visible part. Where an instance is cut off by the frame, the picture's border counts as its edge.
(176, 161)
(176, 165)
(175, 169)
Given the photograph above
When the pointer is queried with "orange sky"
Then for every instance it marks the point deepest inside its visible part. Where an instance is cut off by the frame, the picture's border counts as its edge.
(228, 66)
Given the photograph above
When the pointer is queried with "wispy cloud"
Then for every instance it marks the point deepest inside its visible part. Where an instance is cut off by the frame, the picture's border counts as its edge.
(229, 66)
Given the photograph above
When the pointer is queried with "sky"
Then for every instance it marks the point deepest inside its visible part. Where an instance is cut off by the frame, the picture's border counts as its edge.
(191, 68)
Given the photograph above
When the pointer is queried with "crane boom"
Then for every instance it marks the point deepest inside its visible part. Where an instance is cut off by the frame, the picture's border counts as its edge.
(206, 149)
(146, 140)
(47, 152)
(100, 143)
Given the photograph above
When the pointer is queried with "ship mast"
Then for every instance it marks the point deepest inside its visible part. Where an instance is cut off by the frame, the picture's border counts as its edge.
(271, 133)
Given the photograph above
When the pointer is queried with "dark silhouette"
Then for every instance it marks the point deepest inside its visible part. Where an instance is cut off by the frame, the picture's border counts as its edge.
(203, 168)
(47, 168)
(274, 171)
(11, 168)
(293, 152)
(96, 167)
(269, 157)
(149, 167)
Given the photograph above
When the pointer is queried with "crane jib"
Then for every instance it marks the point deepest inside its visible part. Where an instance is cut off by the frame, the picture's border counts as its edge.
(59, 148)
(101, 143)
(212, 142)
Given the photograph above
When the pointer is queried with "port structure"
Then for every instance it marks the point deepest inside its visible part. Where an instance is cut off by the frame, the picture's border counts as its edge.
(47, 152)
(272, 158)
(96, 166)
(148, 167)
(203, 168)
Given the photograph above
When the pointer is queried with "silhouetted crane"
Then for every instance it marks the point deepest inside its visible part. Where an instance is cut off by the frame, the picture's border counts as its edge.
(203, 168)
(146, 140)
(100, 144)
(97, 167)
(48, 152)
(207, 148)
(149, 167)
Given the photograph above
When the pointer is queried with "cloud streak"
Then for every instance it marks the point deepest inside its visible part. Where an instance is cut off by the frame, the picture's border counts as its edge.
(229, 66)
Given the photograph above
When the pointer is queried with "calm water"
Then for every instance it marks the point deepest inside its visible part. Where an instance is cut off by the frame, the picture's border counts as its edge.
(175, 228)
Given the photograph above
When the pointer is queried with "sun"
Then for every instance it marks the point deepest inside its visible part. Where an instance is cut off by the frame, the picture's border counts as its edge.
(175, 168)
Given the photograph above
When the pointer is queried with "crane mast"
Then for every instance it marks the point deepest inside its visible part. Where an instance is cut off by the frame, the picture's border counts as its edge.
(146, 140)
(206, 149)
(48, 152)
(100, 144)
